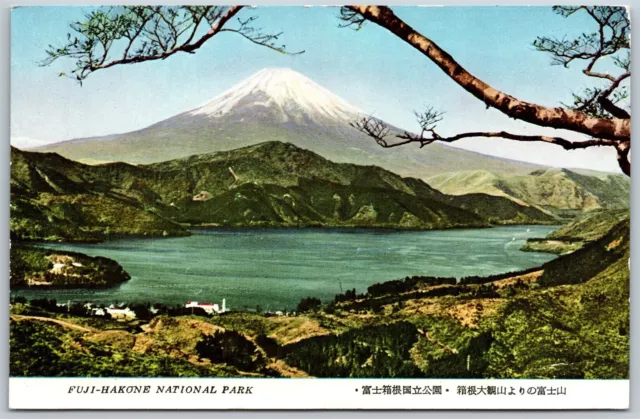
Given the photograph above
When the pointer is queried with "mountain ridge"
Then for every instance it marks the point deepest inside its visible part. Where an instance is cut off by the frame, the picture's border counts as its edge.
(275, 105)
(271, 184)
(551, 189)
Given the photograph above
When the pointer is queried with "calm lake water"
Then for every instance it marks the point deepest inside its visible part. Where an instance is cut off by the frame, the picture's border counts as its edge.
(275, 268)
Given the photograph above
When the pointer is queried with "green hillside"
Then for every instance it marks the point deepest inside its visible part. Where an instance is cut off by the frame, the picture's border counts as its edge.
(47, 268)
(558, 191)
(590, 227)
(270, 184)
(56, 199)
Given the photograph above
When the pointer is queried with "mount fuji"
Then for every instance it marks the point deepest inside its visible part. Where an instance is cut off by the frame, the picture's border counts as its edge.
(276, 105)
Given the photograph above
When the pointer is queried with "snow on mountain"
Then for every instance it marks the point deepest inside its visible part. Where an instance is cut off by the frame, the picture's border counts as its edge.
(285, 89)
(276, 105)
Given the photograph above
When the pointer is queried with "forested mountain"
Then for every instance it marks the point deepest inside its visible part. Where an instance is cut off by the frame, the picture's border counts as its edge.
(269, 184)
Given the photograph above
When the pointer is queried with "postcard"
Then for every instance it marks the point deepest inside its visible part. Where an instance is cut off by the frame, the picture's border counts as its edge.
(355, 207)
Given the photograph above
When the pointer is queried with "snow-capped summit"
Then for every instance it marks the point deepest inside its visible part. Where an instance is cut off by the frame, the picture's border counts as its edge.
(274, 104)
(289, 91)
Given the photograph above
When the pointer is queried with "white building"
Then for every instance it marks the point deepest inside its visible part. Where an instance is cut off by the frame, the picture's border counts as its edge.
(208, 307)
(118, 312)
(98, 311)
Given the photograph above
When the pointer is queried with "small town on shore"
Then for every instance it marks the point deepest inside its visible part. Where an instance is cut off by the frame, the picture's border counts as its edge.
(123, 311)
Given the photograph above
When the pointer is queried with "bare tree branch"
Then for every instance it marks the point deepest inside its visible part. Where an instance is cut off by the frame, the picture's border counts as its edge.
(379, 131)
(374, 128)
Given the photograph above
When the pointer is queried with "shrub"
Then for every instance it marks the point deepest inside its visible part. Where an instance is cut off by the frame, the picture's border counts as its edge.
(229, 347)
(308, 304)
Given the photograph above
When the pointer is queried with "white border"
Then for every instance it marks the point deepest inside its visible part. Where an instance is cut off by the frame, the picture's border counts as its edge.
(4, 214)
(312, 393)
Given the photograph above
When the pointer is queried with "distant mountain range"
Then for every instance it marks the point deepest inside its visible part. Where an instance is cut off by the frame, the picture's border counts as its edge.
(555, 190)
(280, 105)
(269, 184)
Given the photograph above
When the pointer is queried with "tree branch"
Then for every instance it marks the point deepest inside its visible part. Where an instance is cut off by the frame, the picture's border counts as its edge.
(614, 110)
(185, 47)
(609, 105)
(624, 149)
(379, 131)
(566, 144)
(257, 36)
(611, 38)
(607, 92)
(132, 38)
(374, 128)
(151, 33)
(215, 28)
(613, 129)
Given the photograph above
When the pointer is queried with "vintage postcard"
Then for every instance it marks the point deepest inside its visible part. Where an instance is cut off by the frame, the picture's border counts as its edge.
(356, 207)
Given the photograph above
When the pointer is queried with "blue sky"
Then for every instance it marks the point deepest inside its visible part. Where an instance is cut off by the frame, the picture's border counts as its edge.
(371, 69)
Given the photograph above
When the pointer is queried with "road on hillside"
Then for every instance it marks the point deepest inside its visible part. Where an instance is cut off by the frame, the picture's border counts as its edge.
(62, 323)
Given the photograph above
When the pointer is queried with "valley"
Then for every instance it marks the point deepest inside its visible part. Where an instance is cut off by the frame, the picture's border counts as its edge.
(336, 257)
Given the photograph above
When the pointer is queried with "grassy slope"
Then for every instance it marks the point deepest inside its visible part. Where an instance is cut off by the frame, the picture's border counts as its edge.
(556, 190)
(46, 349)
(577, 324)
(590, 227)
(576, 234)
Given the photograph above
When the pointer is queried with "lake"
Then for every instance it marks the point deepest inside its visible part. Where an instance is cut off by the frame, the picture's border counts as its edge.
(275, 268)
